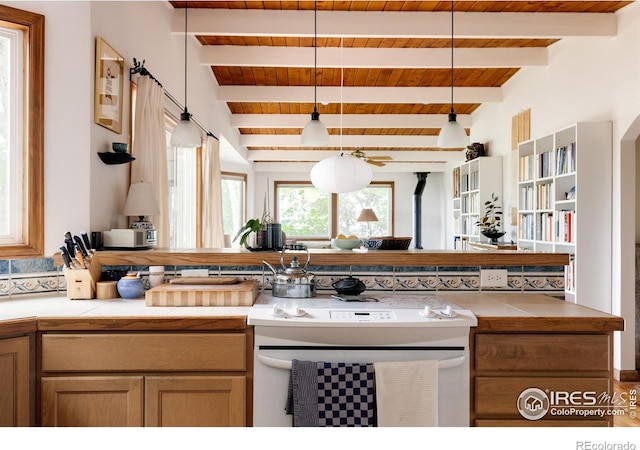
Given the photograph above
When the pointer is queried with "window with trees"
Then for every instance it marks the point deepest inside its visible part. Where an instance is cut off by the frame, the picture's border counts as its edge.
(234, 192)
(309, 213)
(21, 133)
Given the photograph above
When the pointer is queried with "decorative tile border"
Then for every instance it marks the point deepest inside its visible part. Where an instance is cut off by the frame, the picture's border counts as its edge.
(17, 277)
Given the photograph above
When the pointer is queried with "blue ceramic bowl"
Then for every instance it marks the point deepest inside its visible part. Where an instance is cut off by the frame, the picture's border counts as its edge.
(372, 244)
(119, 147)
(130, 287)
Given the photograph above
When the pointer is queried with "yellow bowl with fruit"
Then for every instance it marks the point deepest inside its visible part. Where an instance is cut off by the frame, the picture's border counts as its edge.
(343, 242)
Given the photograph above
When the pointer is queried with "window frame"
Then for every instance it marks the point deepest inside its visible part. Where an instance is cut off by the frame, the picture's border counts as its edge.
(334, 198)
(33, 132)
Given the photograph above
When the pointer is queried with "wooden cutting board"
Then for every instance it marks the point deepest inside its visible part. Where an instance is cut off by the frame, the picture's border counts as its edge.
(204, 280)
(239, 294)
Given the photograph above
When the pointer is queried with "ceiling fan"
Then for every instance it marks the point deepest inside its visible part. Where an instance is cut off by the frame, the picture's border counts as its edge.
(374, 160)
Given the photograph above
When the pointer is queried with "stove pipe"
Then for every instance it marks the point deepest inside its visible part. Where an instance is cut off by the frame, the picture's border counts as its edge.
(417, 209)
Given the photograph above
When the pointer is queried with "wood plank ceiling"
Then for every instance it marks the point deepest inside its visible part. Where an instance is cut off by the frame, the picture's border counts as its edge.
(383, 67)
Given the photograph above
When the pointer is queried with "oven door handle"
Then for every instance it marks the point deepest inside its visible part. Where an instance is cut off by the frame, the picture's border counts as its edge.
(286, 365)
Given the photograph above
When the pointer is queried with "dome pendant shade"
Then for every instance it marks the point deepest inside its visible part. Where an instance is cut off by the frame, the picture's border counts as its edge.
(452, 135)
(315, 133)
(341, 174)
(186, 134)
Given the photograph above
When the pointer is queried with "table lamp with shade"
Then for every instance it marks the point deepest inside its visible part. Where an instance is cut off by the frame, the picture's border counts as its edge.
(141, 202)
(367, 215)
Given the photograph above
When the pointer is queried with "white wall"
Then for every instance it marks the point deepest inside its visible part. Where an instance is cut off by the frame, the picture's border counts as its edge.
(82, 193)
(433, 201)
(587, 79)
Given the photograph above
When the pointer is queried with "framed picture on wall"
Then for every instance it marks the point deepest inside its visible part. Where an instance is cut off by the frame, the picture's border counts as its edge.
(109, 87)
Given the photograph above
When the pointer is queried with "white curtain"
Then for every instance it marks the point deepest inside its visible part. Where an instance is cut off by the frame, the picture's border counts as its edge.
(212, 229)
(150, 149)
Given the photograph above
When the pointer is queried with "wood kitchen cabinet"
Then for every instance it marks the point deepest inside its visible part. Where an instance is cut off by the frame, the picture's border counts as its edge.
(15, 390)
(505, 364)
(144, 379)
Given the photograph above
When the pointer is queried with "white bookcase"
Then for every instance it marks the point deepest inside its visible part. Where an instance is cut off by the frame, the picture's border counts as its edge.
(473, 183)
(564, 205)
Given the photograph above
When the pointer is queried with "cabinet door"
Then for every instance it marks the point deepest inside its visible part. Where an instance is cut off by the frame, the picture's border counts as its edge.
(14, 382)
(113, 401)
(199, 401)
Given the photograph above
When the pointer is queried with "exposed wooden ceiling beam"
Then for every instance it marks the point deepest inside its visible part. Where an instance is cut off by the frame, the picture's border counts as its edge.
(269, 166)
(347, 120)
(230, 22)
(377, 140)
(358, 94)
(316, 155)
(216, 55)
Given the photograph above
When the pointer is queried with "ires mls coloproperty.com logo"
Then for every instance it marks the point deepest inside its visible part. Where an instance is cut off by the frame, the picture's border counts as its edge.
(534, 403)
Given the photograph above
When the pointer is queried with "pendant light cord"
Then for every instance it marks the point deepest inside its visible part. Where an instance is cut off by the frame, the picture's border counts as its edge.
(185, 57)
(315, 55)
(452, 57)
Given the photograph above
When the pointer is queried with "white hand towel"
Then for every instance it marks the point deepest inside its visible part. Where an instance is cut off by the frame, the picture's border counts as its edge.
(407, 393)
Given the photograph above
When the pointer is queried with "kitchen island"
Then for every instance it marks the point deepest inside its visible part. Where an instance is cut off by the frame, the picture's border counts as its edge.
(522, 339)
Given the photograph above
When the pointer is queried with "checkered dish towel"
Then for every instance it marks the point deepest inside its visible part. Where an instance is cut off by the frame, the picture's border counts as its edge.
(324, 394)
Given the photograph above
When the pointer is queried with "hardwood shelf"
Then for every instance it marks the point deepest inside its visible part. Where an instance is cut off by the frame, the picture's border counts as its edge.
(321, 257)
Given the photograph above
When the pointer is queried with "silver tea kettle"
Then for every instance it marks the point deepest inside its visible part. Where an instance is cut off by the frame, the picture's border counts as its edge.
(292, 281)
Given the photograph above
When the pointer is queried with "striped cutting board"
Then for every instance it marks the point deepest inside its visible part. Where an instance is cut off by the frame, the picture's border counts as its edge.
(243, 293)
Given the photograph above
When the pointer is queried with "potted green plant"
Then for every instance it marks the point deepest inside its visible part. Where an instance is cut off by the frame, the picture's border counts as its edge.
(490, 222)
(252, 226)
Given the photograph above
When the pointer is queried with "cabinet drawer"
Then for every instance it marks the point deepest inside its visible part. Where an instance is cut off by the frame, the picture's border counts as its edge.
(143, 352)
(542, 352)
(499, 395)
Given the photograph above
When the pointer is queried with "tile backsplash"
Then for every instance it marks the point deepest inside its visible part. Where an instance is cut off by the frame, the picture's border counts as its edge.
(28, 276)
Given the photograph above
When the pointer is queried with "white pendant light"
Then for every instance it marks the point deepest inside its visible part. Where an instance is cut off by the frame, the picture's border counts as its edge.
(340, 174)
(315, 133)
(186, 134)
(452, 135)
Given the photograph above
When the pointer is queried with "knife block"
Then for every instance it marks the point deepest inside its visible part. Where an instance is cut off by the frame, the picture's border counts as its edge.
(81, 283)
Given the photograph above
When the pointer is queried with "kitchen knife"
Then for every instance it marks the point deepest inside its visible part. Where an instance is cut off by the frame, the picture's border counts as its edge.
(85, 239)
(68, 240)
(80, 257)
(66, 258)
(81, 246)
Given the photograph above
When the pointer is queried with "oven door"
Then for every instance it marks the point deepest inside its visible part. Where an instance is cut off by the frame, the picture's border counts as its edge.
(272, 365)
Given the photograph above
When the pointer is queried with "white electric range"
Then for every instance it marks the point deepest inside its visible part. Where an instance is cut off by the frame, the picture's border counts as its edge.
(383, 327)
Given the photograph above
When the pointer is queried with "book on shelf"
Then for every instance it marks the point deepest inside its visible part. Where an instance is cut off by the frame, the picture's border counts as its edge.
(570, 276)
(565, 226)
(526, 197)
(474, 180)
(525, 227)
(526, 167)
(566, 159)
(544, 196)
(456, 182)
(544, 164)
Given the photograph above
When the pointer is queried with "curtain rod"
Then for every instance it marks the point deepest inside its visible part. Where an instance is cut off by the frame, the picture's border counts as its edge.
(138, 68)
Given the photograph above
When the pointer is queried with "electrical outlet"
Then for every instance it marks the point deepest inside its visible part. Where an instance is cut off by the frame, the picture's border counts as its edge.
(194, 272)
(493, 278)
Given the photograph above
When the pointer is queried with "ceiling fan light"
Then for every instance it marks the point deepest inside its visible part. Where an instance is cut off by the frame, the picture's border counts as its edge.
(452, 134)
(186, 133)
(315, 133)
(341, 174)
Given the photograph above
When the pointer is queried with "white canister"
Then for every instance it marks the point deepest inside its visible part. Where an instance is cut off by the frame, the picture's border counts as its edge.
(156, 276)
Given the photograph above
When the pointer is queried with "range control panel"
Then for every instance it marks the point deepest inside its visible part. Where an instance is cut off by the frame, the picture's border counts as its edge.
(362, 316)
